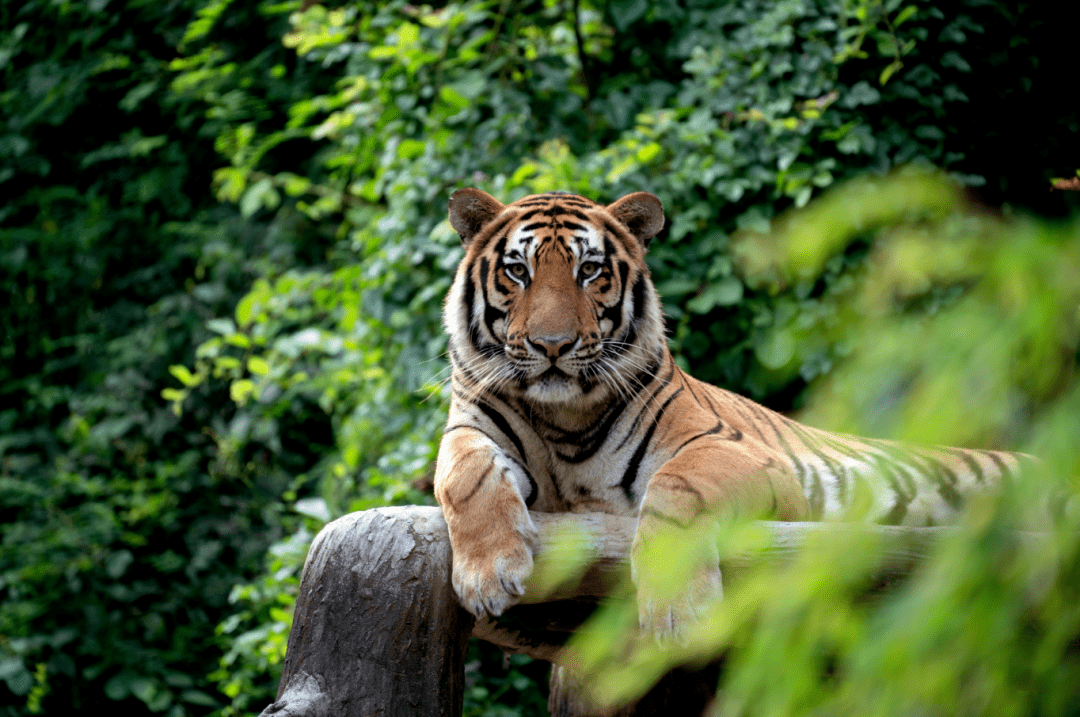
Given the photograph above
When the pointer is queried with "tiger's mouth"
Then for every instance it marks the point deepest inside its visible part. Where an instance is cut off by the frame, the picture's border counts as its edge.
(552, 373)
(553, 385)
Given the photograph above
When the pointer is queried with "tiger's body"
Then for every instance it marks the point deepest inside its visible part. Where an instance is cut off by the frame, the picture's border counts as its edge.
(566, 399)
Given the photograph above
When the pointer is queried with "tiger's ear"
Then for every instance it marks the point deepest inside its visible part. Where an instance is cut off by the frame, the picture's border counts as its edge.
(470, 210)
(642, 213)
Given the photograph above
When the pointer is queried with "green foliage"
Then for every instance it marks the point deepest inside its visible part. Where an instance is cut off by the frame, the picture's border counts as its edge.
(258, 631)
(124, 526)
(989, 623)
(225, 249)
(730, 113)
(502, 685)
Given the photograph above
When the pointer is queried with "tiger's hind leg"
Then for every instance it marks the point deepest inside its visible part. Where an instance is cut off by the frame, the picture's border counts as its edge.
(693, 494)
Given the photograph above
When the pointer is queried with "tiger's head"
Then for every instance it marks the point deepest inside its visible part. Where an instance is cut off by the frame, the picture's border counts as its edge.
(553, 302)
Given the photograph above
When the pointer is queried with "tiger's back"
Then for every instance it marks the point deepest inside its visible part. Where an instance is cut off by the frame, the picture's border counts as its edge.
(566, 399)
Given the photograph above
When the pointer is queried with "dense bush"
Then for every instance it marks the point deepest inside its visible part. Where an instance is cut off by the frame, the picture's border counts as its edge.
(225, 253)
(124, 526)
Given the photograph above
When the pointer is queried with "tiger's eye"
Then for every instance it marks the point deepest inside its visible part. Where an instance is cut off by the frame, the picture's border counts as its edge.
(589, 268)
(517, 270)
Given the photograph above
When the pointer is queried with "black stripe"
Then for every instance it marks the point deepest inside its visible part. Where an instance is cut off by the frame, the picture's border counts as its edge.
(810, 441)
(591, 438)
(946, 479)
(470, 302)
(491, 314)
(503, 425)
(459, 372)
(533, 490)
(886, 467)
(639, 299)
(816, 495)
(695, 396)
(630, 476)
(611, 226)
(973, 464)
(735, 434)
(664, 382)
(896, 457)
(613, 314)
(653, 513)
(741, 412)
(493, 230)
(760, 412)
(1004, 469)
(711, 432)
(480, 481)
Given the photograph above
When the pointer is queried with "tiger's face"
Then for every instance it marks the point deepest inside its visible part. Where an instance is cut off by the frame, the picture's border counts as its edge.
(553, 302)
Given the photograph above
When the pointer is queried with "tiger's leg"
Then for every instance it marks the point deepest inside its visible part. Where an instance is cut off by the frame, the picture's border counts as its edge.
(481, 490)
(706, 483)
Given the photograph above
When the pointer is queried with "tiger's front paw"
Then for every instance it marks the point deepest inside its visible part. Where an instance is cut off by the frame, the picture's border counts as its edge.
(488, 582)
(673, 617)
(677, 579)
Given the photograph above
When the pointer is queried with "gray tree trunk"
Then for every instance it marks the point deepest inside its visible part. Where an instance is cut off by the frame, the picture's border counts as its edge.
(377, 629)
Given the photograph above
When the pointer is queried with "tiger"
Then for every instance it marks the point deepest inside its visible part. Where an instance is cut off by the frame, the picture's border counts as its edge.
(566, 398)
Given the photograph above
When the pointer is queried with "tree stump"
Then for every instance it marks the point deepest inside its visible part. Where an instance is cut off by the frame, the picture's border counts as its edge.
(377, 628)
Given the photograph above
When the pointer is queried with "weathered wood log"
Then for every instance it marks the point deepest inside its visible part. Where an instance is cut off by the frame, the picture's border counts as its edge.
(378, 630)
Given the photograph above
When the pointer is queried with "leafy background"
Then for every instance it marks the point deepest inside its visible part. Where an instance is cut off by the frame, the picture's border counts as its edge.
(224, 249)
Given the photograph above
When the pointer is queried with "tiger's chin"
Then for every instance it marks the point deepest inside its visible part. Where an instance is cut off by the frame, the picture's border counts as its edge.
(553, 392)
(556, 387)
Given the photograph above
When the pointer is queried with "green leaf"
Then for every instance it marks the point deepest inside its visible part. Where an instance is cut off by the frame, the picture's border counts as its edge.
(383, 52)
(183, 375)
(119, 686)
(776, 350)
(411, 148)
(259, 195)
(626, 12)
(452, 97)
(904, 15)
(240, 390)
(221, 326)
(198, 697)
(725, 292)
(889, 71)
(258, 366)
(861, 93)
(408, 35)
(117, 563)
(648, 152)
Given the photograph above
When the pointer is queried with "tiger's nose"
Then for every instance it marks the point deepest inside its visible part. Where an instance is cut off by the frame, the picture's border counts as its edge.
(551, 346)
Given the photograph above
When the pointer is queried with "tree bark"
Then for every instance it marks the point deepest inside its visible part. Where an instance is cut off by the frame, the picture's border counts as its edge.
(377, 629)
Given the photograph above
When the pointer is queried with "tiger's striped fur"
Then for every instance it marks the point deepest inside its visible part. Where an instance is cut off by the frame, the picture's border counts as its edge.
(566, 399)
